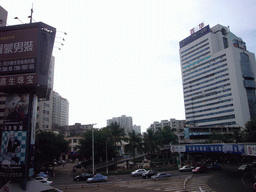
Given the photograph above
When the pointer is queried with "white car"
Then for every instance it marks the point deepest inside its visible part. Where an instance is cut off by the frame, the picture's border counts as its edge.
(186, 168)
(138, 172)
(40, 178)
(47, 182)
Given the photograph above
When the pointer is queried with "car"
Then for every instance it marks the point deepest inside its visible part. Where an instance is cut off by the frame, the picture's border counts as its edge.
(138, 172)
(40, 178)
(214, 166)
(149, 173)
(201, 169)
(186, 168)
(42, 174)
(245, 168)
(97, 178)
(46, 182)
(161, 175)
(83, 177)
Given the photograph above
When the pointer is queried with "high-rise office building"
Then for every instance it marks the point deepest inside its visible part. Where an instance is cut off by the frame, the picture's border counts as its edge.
(60, 110)
(218, 76)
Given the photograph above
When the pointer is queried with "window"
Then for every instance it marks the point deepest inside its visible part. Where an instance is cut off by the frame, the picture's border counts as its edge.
(74, 140)
(225, 42)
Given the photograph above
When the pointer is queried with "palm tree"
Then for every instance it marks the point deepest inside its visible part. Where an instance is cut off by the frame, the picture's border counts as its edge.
(152, 141)
(134, 143)
(118, 135)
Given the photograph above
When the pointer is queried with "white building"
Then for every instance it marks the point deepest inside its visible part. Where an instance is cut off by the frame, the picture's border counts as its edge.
(173, 123)
(137, 129)
(60, 110)
(218, 76)
(3, 17)
(125, 122)
(44, 107)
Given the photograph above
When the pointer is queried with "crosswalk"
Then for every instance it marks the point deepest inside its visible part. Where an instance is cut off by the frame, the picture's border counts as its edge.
(173, 184)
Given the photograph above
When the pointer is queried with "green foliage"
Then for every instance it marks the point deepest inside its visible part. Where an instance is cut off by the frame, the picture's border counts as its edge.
(117, 135)
(152, 141)
(168, 135)
(250, 130)
(102, 140)
(49, 147)
(134, 143)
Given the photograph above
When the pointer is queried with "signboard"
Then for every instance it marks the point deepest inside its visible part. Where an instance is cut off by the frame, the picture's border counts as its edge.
(250, 150)
(14, 136)
(25, 53)
(177, 148)
(233, 148)
(195, 36)
(204, 148)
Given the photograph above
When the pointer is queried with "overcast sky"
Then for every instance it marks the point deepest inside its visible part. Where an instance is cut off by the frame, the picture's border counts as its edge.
(122, 57)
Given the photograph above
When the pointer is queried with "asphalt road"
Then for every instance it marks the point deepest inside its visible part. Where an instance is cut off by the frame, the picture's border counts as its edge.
(226, 180)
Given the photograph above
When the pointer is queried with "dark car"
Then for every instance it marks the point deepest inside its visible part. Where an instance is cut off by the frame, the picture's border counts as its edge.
(149, 173)
(83, 177)
(201, 169)
(214, 166)
(245, 168)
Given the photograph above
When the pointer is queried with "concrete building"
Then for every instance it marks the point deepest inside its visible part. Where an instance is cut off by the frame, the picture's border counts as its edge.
(125, 122)
(3, 17)
(218, 76)
(44, 107)
(60, 110)
(137, 129)
(173, 123)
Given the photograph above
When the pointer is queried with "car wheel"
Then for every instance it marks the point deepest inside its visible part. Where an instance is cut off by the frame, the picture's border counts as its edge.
(135, 175)
(77, 179)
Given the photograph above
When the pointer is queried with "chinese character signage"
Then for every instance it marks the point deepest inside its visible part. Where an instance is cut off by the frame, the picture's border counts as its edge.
(204, 148)
(18, 50)
(25, 53)
(195, 36)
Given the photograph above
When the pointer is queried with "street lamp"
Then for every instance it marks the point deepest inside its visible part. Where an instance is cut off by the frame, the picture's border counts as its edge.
(93, 149)
(179, 149)
(18, 19)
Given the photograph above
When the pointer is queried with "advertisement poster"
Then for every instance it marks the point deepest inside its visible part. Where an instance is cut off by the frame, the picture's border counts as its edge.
(12, 154)
(16, 112)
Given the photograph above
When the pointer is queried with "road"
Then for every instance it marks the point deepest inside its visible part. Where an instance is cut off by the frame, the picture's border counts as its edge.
(212, 182)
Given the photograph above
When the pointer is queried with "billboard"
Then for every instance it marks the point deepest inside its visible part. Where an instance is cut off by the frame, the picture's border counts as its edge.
(195, 36)
(25, 53)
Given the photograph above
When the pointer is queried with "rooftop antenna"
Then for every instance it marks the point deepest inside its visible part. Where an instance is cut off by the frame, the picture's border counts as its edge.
(31, 14)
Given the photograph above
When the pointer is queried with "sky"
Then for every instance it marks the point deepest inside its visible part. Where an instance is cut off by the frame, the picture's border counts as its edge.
(122, 57)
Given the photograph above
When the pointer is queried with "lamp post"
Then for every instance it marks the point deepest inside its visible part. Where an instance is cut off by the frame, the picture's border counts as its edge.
(107, 156)
(93, 149)
(179, 150)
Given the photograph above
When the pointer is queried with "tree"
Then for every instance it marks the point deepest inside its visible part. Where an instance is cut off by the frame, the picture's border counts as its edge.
(101, 140)
(168, 135)
(250, 130)
(152, 141)
(118, 135)
(48, 147)
(134, 143)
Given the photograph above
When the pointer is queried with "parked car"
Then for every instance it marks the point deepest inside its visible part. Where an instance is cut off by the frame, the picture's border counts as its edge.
(83, 177)
(201, 169)
(161, 175)
(46, 182)
(138, 172)
(186, 168)
(245, 168)
(214, 166)
(40, 178)
(42, 174)
(149, 173)
(97, 178)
